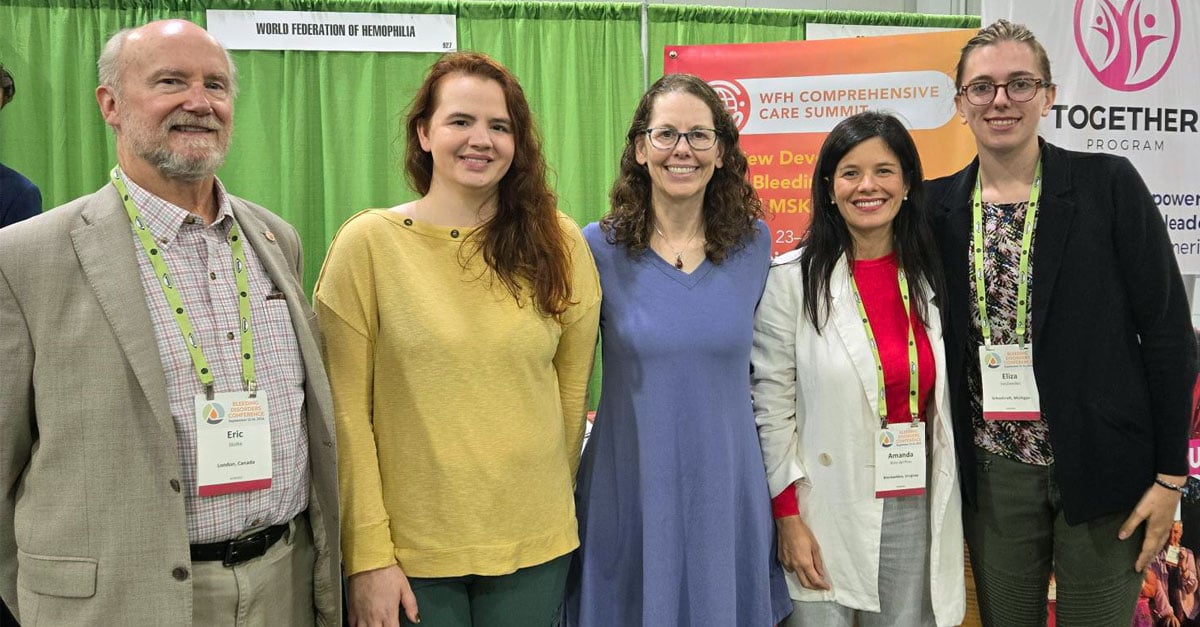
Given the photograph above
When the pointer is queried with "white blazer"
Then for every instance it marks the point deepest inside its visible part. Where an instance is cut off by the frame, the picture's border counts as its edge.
(815, 405)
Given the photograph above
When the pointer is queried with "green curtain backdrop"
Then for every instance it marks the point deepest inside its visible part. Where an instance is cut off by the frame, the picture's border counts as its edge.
(318, 133)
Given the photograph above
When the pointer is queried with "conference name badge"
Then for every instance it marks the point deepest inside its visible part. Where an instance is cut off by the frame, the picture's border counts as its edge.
(1009, 388)
(900, 460)
(233, 443)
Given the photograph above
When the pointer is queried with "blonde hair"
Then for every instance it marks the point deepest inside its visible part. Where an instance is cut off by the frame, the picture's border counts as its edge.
(996, 32)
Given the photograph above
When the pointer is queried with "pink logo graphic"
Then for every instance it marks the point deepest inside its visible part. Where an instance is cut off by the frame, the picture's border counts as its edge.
(1130, 48)
(733, 96)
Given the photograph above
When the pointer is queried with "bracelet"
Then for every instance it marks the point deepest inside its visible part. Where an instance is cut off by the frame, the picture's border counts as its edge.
(1170, 486)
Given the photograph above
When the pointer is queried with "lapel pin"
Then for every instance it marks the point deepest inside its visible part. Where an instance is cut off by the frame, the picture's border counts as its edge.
(269, 235)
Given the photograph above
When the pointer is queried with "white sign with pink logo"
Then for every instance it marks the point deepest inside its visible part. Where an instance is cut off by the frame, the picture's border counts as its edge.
(1127, 74)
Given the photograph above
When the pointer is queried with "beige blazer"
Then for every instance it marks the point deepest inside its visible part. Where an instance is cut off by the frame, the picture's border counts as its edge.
(92, 525)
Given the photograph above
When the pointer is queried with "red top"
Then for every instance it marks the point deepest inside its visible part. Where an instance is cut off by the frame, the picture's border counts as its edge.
(880, 292)
(876, 279)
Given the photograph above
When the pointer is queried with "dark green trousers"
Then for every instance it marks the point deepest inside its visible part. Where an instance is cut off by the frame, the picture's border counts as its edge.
(530, 597)
(1019, 534)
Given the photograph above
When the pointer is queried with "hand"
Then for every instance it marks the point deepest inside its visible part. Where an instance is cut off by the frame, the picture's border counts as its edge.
(800, 554)
(377, 595)
(1157, 510)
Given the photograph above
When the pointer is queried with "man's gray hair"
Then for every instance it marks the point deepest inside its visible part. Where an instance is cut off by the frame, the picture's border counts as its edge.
(111, 65)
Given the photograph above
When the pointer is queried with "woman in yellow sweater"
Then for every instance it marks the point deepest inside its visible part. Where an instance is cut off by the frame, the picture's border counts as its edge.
(459, 334)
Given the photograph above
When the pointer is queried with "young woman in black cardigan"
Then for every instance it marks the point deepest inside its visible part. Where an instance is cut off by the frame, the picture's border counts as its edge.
(1076, 461)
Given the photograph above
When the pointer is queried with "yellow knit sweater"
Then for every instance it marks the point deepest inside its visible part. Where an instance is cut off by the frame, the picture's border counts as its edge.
(459, 413)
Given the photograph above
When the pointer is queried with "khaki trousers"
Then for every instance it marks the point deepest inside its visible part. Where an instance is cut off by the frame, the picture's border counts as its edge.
(274, 589)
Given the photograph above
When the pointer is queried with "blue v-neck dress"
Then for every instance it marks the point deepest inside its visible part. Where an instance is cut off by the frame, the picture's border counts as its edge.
(674, 512)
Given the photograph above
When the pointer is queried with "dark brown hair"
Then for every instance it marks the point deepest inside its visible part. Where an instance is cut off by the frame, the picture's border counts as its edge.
(523, 243)
(828, 238)
(731, 206)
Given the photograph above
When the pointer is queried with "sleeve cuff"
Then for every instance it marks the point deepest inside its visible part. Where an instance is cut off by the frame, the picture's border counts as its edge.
(368, 548)
(785, 504)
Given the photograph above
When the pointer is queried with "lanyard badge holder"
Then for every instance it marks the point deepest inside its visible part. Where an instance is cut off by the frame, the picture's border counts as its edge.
(1006, 370)
(233, 429)
(899, 448)
(1009, 389)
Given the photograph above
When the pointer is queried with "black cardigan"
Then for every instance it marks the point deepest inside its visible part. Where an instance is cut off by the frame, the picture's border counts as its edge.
(1114, 354)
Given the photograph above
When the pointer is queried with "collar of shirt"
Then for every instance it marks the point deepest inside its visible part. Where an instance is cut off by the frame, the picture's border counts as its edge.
(165, 219)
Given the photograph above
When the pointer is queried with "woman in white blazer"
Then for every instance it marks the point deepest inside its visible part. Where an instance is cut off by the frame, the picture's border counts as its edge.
(867, 503)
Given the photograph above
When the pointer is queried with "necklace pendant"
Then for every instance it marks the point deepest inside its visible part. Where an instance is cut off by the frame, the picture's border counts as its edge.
(678, 261)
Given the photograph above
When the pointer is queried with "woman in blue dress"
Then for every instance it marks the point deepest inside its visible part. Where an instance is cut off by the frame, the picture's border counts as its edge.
(674, 513)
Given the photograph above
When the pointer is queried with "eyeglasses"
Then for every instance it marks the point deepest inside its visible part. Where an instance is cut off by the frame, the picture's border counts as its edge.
(1018, 90)
(666, 138)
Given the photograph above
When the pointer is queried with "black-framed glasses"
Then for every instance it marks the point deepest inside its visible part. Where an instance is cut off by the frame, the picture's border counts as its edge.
(1018, 90)
(666, 138)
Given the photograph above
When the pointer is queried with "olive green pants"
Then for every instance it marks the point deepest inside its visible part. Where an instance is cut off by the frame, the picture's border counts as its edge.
(1019, 534)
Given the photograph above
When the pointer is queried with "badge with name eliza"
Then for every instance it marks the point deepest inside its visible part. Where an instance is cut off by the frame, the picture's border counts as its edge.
(1009, 389)
(1006, 370)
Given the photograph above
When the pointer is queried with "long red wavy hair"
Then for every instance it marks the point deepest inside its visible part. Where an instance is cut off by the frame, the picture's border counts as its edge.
(523, 243)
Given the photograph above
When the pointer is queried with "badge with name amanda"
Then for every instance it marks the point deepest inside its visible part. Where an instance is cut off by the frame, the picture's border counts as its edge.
(900, 460)
(233, 443)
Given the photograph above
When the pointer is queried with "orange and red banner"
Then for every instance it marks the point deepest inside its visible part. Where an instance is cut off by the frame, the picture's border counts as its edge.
(785, 97)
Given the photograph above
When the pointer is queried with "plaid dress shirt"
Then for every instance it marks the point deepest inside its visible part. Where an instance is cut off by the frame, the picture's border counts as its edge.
(200, 260)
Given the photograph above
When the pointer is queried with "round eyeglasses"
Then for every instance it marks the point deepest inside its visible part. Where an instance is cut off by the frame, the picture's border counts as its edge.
(666, 138)
(1018, 90)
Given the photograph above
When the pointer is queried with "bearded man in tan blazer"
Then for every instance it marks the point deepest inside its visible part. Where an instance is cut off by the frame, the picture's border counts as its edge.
(166, 440)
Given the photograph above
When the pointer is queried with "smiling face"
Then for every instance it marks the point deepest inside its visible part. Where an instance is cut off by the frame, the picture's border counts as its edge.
(868, 189)
(1003, 126)
(172, 110)
(679, 175)
(469, 135)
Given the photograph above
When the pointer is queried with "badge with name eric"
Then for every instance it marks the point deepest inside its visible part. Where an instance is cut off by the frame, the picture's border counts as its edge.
(233, 443)
(900, 460)
(1009, 389)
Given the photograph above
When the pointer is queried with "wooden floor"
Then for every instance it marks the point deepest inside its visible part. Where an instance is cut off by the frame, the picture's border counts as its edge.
(972, 617)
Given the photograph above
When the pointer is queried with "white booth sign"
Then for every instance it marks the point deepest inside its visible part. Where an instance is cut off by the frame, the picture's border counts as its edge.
(349, 32)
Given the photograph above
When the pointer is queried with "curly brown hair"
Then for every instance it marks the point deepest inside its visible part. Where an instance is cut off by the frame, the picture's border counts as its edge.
(731, 206)
(523, 243)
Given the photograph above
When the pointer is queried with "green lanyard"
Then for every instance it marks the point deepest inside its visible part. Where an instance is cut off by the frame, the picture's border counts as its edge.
(176, 302)
(985, 325)
(913, 378)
